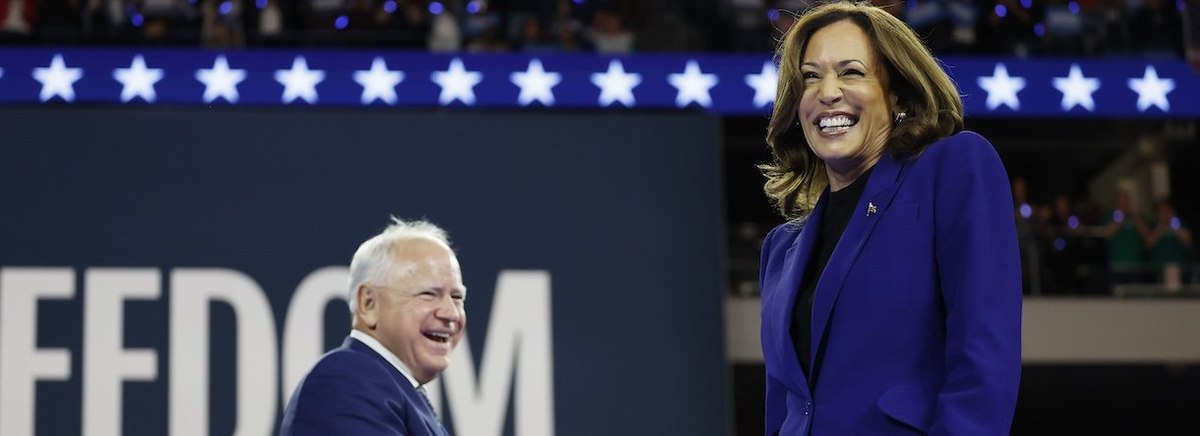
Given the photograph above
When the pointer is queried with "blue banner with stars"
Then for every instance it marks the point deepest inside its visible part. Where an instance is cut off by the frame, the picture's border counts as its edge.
(724, 84)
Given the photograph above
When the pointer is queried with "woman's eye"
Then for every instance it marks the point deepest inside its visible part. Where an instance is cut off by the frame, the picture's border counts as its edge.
(809, 75)
(852, 72)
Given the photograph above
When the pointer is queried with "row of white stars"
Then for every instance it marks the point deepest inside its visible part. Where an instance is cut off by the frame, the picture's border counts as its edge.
(379, 82)
(1076, 89)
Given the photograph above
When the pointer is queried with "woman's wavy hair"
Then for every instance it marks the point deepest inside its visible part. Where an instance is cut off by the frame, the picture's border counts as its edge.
(796, 177)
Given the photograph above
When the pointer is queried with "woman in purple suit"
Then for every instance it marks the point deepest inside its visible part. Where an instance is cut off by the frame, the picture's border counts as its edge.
(892, 296)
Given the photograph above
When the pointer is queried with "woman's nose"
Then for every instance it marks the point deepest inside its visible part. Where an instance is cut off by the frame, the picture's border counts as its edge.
(828, 91)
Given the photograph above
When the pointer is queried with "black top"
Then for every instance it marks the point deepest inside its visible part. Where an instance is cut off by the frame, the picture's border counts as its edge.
(836, 215)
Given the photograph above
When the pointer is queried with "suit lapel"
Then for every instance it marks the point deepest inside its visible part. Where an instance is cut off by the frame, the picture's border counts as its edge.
(795, 262)
(414, 399)
(881, 188)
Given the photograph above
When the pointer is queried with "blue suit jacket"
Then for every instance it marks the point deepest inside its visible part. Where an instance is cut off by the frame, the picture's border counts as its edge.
(353, 390)
(916, 322)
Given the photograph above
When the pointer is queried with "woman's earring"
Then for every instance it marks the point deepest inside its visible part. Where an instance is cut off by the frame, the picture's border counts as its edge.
(900, 117)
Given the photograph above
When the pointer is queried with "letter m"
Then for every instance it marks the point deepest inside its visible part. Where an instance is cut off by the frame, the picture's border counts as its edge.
(518, 335)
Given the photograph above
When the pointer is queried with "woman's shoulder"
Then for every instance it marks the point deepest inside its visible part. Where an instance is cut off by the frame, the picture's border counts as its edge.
(964, 142)
(786, 232)
(961, 149)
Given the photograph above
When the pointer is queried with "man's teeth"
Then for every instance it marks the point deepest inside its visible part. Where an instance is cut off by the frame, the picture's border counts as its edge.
(837, 121)
(441, 337)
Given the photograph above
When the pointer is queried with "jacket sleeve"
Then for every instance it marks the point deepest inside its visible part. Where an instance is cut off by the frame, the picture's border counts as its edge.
(776, 394)
(979, 275)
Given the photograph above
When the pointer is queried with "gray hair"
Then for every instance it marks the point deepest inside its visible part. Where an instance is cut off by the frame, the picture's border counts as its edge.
(373, 262)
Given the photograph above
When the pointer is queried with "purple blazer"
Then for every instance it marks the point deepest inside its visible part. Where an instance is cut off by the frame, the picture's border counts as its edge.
(916, 323)
(353, 390)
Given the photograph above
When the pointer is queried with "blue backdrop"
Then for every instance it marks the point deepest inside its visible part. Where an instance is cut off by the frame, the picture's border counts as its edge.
(719, 83)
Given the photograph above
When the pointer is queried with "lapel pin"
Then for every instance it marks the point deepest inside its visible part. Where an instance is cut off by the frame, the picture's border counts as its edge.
(871, 208)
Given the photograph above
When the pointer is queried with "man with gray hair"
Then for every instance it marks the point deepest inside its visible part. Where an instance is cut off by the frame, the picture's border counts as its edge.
(406, 302)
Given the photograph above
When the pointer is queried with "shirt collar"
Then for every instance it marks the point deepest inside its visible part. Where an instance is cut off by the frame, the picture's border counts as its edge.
(383, 351)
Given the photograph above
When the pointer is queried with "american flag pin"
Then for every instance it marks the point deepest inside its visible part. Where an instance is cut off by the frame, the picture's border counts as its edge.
(871, 208)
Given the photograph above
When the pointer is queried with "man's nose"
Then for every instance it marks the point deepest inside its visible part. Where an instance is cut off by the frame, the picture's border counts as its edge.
(448, 310)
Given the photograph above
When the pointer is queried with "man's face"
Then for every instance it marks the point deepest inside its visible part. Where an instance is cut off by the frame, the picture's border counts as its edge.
(420, 316)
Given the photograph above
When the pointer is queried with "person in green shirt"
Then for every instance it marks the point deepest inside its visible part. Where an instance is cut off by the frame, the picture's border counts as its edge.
(1168, 241)
(1126, 232)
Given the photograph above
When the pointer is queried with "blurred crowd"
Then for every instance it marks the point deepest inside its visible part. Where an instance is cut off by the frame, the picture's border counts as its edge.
(1012, 27)
(1082, 246)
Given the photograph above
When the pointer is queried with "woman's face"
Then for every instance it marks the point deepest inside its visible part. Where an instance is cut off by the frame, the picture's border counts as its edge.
(846, 109)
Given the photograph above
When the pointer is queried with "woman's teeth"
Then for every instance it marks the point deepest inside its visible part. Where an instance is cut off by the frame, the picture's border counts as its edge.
(836, 123)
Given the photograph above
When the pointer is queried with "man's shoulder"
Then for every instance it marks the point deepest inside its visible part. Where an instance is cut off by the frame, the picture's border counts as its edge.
(349, 371)
(350, 362)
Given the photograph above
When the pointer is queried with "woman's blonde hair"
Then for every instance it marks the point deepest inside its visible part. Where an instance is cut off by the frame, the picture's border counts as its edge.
(796, 177)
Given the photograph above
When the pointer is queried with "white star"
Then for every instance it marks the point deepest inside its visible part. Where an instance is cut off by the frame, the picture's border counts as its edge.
(1002, 89)
(535, 84)
(57, 79)
(299, 82)
(457, 83)
(1076, 89)
(616, 85)
(379, 82)
(764, 84)
(693, 85)
(1152, 91)
(137, 80)
(220, 81)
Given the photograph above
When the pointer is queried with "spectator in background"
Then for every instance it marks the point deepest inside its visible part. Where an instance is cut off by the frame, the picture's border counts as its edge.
(1059, 265)
(482, 28)
(169, 21)
(221, 25)
(60, 21)
(1008, 27)
(1028, 231)
(1159, 28)
(1169, 243)
(1107, 28)
(532, 37)
(17, 20)
(946, 25)
(401, 24)
(1191, 33)
(445, 35)
(565, 27)
(271, 24)
(1125, 232)
(608, 34)
(747, 21)
(1063, 28)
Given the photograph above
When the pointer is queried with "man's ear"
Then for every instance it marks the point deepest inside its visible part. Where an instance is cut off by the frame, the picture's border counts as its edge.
(368, 306)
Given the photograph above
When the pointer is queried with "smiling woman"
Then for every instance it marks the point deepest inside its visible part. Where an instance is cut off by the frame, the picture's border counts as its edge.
(844, 109)
(892, 299)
